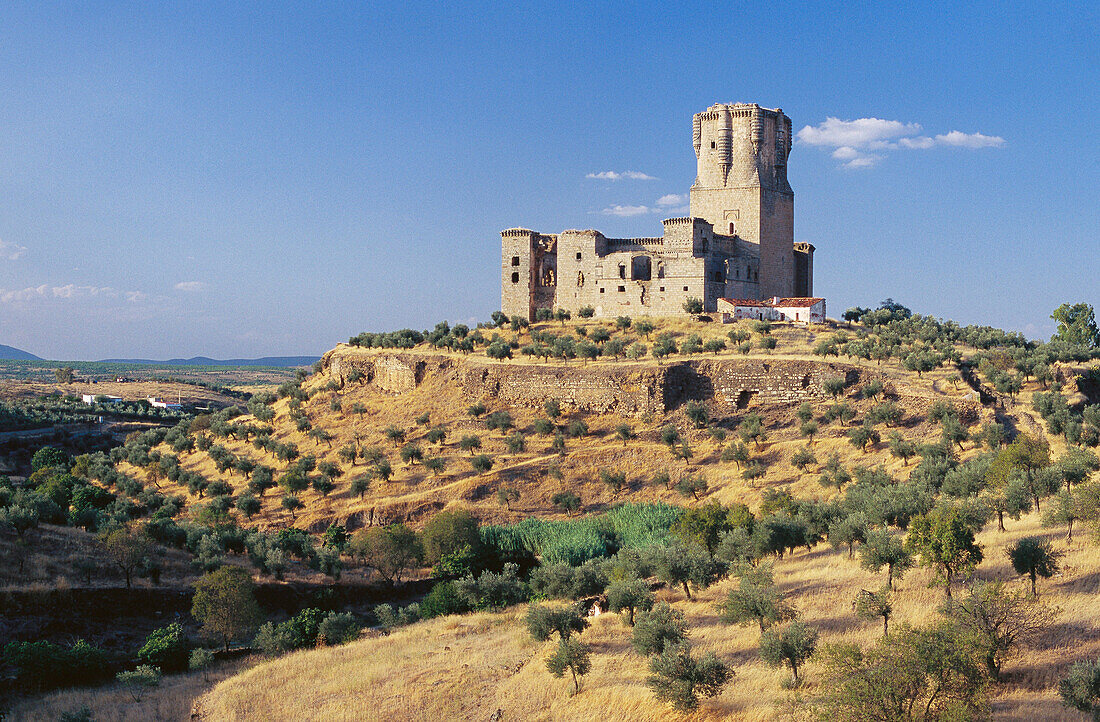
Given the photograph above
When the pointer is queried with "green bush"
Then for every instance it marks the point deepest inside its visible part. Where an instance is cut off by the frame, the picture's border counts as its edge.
(444, 599)
(166, 648)
(45, 665)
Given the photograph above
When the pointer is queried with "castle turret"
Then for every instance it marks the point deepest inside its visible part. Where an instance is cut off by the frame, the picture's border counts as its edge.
(741, 187)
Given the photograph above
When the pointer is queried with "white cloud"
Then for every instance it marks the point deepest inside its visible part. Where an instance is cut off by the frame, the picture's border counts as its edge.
(855, 158)
(970, 140)
(672, 199)
(625, 175)
(11, 251)
(858, 133)
(626, 211)
(854, 141)
(68, 292)
(920, 142)
(190, 286)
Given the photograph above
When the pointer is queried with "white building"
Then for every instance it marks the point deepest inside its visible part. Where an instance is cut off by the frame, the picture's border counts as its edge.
(100, 399)
(170, 405)
(797, 310)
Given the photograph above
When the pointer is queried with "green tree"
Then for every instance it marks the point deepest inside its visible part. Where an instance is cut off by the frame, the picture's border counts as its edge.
(696, 412)
(389, 550)
(448, 532)
(679, 679)
(470, 443)
(1081, 688)
(693, 306)
(566, 501)
(138, 680)
(790, 644)
(1034, 557)
(1000, 621)
(166, 648)
(128, 549)
(912, 675)
(572, 655)
(873, 605)
(659, 628)
(360, 485)
(802, 458)
(945, 542)
(881, 549)
(543, 621)
(225, 603)
(1076, 325)
(629, 596)
(757, 598)
(506, 495)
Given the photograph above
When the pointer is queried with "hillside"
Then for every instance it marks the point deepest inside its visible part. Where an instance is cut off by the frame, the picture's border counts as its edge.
(466, 667)
(12, 353)
(394, 428)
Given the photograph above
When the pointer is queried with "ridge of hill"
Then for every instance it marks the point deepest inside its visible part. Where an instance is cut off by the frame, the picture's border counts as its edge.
(10, 353)
(276, 361)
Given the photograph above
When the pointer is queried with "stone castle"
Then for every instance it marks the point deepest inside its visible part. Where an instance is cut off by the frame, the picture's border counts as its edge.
(737, 242)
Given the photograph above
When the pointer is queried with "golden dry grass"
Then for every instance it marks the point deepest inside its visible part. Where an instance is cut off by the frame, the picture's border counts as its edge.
(171, 700)
(466, 667)
(414, 493)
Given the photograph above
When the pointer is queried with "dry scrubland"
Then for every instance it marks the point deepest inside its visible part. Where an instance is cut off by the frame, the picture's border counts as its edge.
(466, 667)
(414, 493)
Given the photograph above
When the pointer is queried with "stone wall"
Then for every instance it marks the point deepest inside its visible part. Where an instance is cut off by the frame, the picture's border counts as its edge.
(390, 372)
(628, 389)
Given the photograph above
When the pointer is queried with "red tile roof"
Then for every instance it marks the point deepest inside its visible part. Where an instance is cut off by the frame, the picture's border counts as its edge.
(796, 302)
(745, 302)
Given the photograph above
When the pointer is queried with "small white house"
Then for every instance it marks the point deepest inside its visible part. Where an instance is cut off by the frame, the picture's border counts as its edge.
(797, 310)
(735, 309)
(100, 399)
(170, 405)
(800, 310)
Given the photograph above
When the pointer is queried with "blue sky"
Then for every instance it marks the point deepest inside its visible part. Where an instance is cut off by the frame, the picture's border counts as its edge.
(237, 179)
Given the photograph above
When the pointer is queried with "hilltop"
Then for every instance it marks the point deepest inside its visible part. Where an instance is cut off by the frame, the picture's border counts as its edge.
(12, 353)
(396, 428)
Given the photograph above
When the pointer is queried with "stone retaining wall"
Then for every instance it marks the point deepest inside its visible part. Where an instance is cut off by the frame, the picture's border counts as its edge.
(627, 389)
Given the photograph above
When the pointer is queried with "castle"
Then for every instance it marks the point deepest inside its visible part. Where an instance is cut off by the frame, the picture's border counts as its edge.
(737, 242)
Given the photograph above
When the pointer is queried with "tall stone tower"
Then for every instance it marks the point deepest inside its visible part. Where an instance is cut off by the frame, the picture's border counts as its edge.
(741, 187)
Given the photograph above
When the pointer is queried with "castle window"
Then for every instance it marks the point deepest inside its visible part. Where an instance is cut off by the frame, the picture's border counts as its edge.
(622, 289)
(601, 290)
(641, 268)
(685, 288)
(515, 260)
(578, 255)
(662, 289)
(718, 276)
(713, 144)
(737, 272)
(515, 278)
(622, 271)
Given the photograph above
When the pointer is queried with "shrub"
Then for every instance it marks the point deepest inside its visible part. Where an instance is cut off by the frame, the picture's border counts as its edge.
(166, 648)
(792, 644)
(659, 628)
(138, 680)
(338, 628)
(544, 621)
(678, 678)
(444, 599)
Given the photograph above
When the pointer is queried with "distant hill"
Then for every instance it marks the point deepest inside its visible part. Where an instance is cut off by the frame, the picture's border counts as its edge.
(282, 361)
(9, 353)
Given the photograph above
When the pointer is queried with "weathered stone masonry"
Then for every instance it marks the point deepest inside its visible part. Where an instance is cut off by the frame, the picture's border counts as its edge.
(625, 389)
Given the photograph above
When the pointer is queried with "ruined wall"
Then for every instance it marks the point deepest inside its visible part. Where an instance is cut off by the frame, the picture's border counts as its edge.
(628, 389)
(390, 372)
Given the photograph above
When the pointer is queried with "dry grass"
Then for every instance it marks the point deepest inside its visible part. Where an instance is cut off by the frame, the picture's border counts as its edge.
(414, 493)
(468, 666)
(172, 700)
